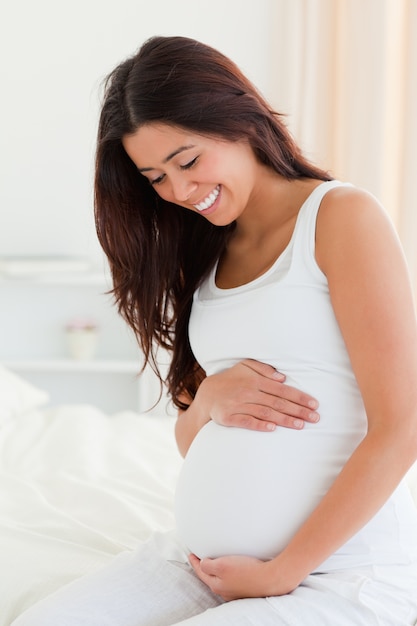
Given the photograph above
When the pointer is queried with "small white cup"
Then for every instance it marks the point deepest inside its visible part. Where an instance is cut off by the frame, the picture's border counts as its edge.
(82, 343)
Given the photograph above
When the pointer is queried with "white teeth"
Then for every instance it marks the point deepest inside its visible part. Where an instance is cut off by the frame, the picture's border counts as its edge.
(207, 202)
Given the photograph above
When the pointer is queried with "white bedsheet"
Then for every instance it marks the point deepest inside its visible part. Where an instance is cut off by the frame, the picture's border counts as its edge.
(76, 488)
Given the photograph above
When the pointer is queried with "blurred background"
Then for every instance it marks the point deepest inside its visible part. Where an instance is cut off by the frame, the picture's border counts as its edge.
(343, 71)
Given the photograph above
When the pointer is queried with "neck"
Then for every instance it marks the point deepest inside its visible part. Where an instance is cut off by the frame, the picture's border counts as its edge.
(270, 205)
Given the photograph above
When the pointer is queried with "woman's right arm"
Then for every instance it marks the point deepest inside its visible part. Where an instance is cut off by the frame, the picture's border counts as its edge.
(249, 395)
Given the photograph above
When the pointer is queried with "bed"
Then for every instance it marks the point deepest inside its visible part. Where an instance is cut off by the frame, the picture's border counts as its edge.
(77, 486)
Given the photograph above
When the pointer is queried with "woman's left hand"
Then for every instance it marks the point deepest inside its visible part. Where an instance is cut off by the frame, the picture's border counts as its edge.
(234, 577)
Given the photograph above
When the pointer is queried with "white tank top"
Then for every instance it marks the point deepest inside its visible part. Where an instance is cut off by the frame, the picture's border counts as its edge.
(245, 492)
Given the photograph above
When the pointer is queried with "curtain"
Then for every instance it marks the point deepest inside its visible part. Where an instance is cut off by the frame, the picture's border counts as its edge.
(345, 73)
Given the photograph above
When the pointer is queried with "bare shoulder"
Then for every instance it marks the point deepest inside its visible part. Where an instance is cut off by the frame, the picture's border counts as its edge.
(348, 204)
(351, 221)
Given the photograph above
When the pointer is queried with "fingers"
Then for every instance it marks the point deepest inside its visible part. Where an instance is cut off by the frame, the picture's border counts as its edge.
(253, 395)
(206, 569)
(207, 566)
(269, 385)
(278, 403)
(266, 417)
(249, 422)
(301, 407)
(233, 577)
(202, 568)
(290, 394)
(242, 420)
(263, 369)
(283, 413)
(194, 561)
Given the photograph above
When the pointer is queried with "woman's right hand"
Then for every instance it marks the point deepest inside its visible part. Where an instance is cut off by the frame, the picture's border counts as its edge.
(254, 395)
(250, 395)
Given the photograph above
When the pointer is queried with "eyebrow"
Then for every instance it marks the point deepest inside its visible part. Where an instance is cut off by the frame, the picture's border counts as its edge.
(169, 157)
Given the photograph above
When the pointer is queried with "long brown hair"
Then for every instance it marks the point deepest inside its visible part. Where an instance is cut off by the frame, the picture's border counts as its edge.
(159, 252)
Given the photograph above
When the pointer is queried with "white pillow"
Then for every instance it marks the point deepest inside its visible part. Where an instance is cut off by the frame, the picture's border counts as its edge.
(17, 395)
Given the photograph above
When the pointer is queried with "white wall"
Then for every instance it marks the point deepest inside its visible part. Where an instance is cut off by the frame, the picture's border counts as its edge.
(53, 57)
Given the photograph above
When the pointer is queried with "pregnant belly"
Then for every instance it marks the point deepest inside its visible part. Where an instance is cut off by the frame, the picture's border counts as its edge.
(245, 492)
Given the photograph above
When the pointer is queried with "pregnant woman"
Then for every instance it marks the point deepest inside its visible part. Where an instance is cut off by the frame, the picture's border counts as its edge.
(284, 299)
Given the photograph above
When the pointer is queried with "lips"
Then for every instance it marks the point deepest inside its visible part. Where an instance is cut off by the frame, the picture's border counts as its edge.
(208, 201)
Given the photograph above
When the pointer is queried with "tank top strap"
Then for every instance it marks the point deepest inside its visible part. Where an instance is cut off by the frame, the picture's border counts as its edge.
(304, 237)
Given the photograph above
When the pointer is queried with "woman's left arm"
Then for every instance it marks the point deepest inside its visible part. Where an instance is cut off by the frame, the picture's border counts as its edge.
(359, 252)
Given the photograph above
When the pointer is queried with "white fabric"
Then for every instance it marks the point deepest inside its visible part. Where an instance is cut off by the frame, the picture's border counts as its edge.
(246, 492)
(18, 395)
(155, 586)
(76, 488)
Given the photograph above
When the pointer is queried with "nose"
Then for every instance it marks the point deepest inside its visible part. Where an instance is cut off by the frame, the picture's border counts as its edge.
(183, 189)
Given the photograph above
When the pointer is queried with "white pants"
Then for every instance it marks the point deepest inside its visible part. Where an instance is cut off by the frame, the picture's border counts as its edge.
(155, 586)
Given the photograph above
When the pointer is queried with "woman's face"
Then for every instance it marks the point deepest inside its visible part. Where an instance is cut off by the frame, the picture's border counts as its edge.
(213, 177)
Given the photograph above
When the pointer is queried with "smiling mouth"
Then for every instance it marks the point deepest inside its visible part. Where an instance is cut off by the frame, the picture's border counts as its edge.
(209, 201)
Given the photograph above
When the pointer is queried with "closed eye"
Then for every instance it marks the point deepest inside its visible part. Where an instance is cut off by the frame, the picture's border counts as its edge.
(190, 164)
(157, 181)
(187, 166)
